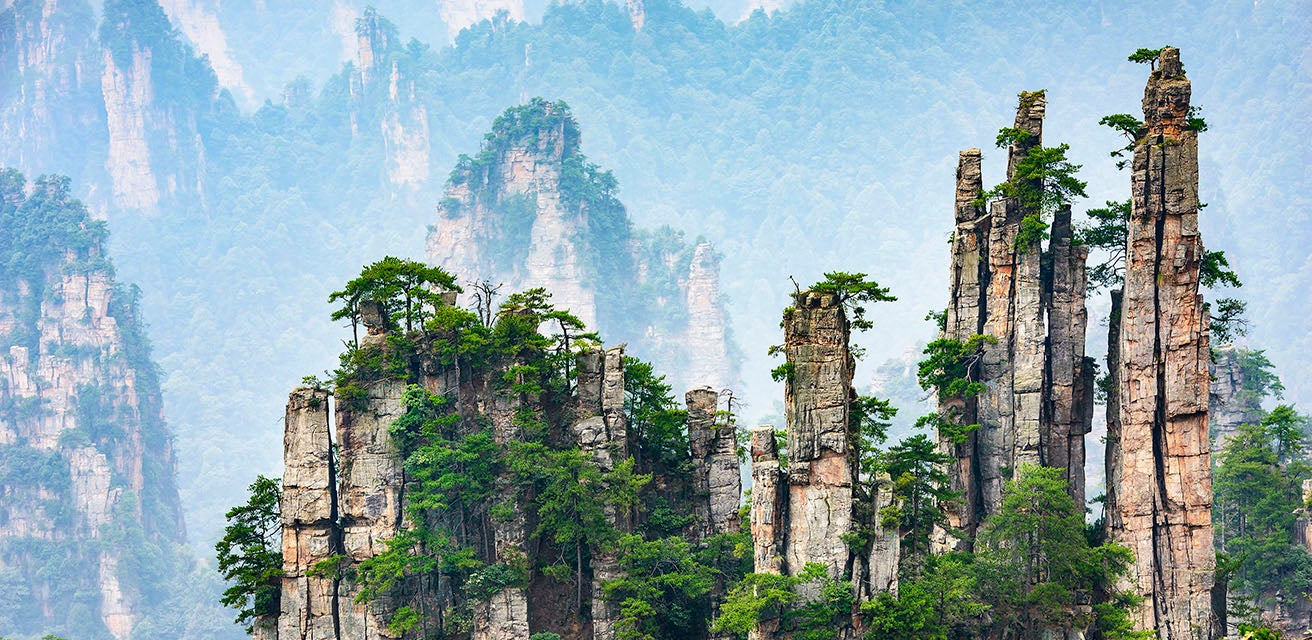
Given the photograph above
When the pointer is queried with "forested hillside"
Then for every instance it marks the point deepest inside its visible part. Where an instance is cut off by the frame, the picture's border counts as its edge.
(822, 132)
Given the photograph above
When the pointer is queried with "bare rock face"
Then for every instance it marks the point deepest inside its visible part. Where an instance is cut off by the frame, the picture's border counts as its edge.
(1229, 405)
(514, 216)
(1030, 303)
(716, 482)
(1009, 409)
(1162, 504)
(310, 604)
(86, 459)
(965, 317)
(821, 469)
(602, 432)
(1069, 376)
(769, 502)
(804, 514)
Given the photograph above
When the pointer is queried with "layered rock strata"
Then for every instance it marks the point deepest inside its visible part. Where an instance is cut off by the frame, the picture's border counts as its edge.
(1029, 303)
(1161, 506)
(716, 481)
(602, 432)
(805, 513)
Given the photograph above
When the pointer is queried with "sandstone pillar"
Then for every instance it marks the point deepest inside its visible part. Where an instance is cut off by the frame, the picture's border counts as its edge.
(602, 431)
(716, 482)
(1163, 495)
(769, 514)
(964, 319)
(310, 604)
(821, 469)
(1013, 314)
(1068, 389)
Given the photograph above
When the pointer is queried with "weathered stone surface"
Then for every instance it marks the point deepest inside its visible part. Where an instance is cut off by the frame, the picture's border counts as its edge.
(1012, 367)
(1068, 391)
(309, 517)
(1163, 491)
(602, 432)
(716, 481)
(1029, 303)
(769, 502)
(965, 318)
(1229, 406)
(820, 439)
(804, 514)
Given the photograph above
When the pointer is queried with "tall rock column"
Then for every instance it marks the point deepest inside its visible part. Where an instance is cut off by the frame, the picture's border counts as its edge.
(769, 501)
(310, 604)
(1029, 303)
(1012, 369)
(602, 432)
(372, 489)
(1164, 491)
(821, 470)
(964, 319)
(1068, 383)
(716, 483)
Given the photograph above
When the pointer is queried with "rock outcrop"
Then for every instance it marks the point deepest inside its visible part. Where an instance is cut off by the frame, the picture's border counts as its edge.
(1160, 498)
(530, 211)
(716, 480)
(86, 460)
(602, 432)
(1029, 304)
(1232, 401)
(349, 498)
(807, 512)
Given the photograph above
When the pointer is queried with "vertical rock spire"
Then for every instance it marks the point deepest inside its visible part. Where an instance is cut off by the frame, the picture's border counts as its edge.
(1013, 314)
(603, 433)
(309, 516)
(716, 483)
(964, 319)
(806, 512)
(1068, 381)
(1035, 407)
(1163, 493)
(821, 470)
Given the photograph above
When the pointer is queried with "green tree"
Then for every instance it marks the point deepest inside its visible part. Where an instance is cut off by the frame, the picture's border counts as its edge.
(1108, 231)
(405, 287)
(656, 422)
(854, 292)
(938, 598)
(763, 596)
(1033, 560)
(1256, 497)
(662, 595)
(922, 486)
(250, 553)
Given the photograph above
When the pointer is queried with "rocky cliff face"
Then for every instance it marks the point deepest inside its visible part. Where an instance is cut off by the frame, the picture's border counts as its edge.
(1029, 302)
(1160, 497)
(115, 107)
(530, 211)
(805, 512)
(1232, 400)
(86, 463)
(351, 472)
